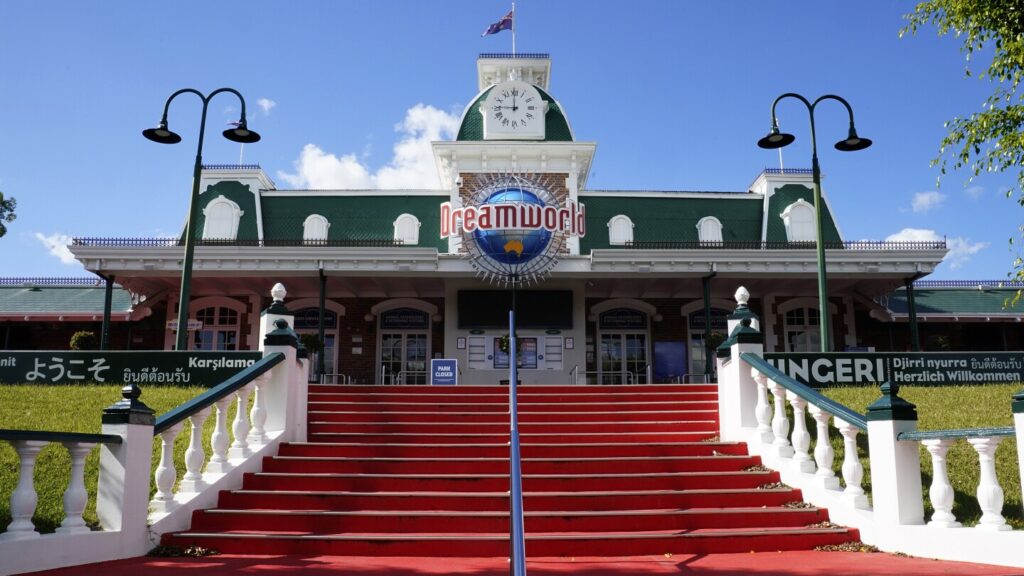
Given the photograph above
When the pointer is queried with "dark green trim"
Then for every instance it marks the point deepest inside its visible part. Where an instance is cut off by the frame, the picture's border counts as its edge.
(14, 435)
(809, 394)
(282, 335)
(891, 407)
(1018, 402)
(956, 434)
(219, 391)
(129, 409)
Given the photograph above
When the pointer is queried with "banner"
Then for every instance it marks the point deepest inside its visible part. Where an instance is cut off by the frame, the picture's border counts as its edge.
(194, 368)
(903, 368)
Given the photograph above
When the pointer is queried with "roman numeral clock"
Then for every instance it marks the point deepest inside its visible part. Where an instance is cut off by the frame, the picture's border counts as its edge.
(514, 110)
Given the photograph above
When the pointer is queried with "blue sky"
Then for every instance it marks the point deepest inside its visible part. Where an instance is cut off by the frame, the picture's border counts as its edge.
(674, 93)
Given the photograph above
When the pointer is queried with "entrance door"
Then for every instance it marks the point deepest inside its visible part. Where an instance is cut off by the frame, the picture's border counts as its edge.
(624, 358)
(403, 358)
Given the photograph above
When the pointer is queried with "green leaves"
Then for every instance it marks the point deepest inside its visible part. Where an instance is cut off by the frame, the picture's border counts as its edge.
(7, 206)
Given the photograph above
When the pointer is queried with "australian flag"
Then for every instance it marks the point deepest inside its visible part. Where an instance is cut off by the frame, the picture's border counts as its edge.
(504, 24)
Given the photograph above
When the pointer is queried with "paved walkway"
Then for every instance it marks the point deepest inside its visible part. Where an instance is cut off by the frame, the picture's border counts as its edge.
(754, 564)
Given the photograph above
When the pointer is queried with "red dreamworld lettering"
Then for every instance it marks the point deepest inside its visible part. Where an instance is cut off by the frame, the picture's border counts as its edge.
(570, 220)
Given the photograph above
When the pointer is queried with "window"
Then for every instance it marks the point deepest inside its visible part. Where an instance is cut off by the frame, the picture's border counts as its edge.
(219, 331)
(221, 219)
(709, 229)
(802, 330)
(799, 220)
(407, 229)
(526, 354)
(314, 229)
(620, 230)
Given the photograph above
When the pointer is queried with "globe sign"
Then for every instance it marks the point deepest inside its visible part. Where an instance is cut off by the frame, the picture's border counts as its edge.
(513, 247)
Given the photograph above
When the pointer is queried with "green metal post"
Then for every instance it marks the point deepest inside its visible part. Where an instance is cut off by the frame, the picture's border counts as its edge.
(320, 364)
(190, 240)
(824, 319)
(708, 352)
(915, 339)
(107, 297)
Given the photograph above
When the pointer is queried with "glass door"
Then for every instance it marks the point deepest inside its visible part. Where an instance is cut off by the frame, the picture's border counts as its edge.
(623, 359)
(403, 358)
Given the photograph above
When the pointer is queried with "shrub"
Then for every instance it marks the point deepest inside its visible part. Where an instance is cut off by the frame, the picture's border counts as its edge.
(84, 340)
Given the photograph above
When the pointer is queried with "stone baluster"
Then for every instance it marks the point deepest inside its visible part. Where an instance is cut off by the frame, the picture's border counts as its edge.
(219, 439)
(990, 495)
(780, 424)
(824, 455)
(258, 415)
(762, 410)
(195, 456)
(240, 426)
(75, 497)
(941, 491)
(166, 474)
(853, 472)
(24, 498)
(801, 437)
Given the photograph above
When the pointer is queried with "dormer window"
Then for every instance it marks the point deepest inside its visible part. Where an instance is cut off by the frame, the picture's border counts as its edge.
(620, 230)
(799, 220)
(709, 229)
(407, 229)
(314, 229)
(221, 219)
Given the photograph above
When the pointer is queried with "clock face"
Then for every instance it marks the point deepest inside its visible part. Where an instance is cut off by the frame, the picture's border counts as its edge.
(514, 108)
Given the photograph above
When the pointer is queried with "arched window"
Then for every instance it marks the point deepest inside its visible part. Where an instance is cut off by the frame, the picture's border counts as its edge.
(709, 229)
(221, 219)
(799, 220)
(220, 329)
(620, 230)
(314, 229)
(407, 229)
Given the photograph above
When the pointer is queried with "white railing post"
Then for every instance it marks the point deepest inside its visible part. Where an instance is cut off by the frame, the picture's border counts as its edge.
(219, 439)
(824, 455)
(280, 391)
(780, 423)
(941, 491)
(1018, 424)
(990, 495)
(122, 494)
(75, 497)
(801, 437)
(762, 410)
(24, 498)
(737, 392)
(166, 474)
(853, 471)
(239, 449)
(195, 456)
(895, 464)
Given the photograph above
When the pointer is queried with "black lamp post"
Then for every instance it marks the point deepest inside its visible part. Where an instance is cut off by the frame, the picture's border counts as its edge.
(162, 135)
(852, 143)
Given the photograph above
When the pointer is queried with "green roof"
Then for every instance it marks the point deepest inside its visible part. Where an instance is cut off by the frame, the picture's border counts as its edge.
(671, 219)
(957, 301)
(60, 300)
(783, 197)
(556, 127)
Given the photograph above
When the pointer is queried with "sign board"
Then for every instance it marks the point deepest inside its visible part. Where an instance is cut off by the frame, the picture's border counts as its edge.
(444, 371)
(143, 367)
(193, 325)
(902, 368)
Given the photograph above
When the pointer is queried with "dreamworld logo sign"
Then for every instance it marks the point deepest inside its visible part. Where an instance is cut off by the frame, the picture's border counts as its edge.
(525, 215)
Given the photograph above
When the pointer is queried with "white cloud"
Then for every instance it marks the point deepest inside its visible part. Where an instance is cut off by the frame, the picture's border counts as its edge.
(411, 166)
(266, 104)
(926, 201)
(975, 192)
(960, 249)
(57, 245)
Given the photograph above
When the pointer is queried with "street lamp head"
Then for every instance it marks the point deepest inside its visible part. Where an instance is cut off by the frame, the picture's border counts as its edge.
(241, 133)
(776, 139)
(161, 135)
(852, 142)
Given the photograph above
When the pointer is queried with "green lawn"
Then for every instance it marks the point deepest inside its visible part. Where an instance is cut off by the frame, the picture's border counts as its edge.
(943, 408)
(73, 409)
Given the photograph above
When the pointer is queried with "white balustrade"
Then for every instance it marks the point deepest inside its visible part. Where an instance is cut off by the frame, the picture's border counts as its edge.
(853, 471)
(195, 456)
(219, 439)
(240, 426)
(165, 475)
(23, 499)
(990, 495)
(941, 491)
(258, 414)
(780, 424)
(824, 455)
(801, 437)
(75, 497)
(762, 411)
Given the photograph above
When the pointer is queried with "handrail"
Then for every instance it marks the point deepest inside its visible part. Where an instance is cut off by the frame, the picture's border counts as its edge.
(517, 532)
(403, 373)
(574, 374)
(807, 393)
(47, 436)
(960, 433)
(232, 384)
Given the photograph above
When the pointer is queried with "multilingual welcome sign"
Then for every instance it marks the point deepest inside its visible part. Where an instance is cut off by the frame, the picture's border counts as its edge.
(143, 367)
(903, 368)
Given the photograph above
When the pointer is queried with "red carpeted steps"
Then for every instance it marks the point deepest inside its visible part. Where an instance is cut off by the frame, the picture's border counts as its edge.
(423, 471)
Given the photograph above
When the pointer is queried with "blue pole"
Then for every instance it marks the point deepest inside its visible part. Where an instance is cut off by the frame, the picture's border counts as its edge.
(516, 492)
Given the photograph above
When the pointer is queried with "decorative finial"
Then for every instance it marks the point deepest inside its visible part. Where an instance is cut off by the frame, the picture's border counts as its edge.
(278, 292)
(742, 296)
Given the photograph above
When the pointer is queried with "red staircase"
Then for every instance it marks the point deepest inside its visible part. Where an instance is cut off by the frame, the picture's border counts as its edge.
(423, 471)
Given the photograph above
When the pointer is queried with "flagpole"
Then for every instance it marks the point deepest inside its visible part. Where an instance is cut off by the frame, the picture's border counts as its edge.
(513, 29)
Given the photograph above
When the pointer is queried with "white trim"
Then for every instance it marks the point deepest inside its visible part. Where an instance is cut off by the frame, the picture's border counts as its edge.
(235, 213)
(700, 229)
(787, 213)
(303, 303)
(413, 303)
(308, 223)
(626, 236)
(407, 227)
(632, 303)
(384, 193)
(670, 194)
(805, 302)
(721, 303)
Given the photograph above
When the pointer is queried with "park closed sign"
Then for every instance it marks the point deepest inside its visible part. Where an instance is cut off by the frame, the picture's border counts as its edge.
(903, 368)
